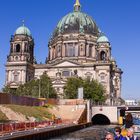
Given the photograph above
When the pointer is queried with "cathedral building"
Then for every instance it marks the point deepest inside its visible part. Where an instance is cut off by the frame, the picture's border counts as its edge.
(76, 48)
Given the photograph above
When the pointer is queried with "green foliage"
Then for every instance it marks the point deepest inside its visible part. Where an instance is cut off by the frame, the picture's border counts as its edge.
(41, 88)
(71, 87)
(3, 117)
(92, 89)
(7, 89)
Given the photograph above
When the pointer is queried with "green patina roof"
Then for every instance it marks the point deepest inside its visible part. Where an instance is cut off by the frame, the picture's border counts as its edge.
(76, 22)
(102, 39)
(23, 31)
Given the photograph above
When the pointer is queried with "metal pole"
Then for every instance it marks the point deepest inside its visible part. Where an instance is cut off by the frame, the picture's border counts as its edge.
(48, 89)
(39, 89)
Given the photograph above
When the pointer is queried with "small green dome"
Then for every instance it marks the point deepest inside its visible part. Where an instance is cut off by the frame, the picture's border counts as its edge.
(102, 39)
(76, 22)
(23, 31)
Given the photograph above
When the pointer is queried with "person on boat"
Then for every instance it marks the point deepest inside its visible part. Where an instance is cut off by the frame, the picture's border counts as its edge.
(130, 135)
(118, 135)
(128, 120)
(109, 136)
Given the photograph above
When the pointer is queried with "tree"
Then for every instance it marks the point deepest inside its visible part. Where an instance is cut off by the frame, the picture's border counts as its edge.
(40, 88)
(92, 89)
(71, 87)
(7, 89)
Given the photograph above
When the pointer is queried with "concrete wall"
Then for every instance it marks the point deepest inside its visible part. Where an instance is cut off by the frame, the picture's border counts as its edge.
(50, 133)
(109, 111)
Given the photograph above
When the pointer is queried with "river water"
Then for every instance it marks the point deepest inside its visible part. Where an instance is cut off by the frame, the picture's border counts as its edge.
(90, 133)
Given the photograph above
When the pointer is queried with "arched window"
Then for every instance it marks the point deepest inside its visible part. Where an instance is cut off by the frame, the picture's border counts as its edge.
(58, 51)
(102, 55)
(88, 75)
(70, 50)
(53, 52)
(17, 48)
(81, 48)
(102, 77)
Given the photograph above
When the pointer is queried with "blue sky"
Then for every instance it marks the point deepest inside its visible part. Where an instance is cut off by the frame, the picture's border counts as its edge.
(118, 19)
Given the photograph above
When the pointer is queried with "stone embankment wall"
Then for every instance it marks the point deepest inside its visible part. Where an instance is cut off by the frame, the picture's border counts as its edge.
(70, 111)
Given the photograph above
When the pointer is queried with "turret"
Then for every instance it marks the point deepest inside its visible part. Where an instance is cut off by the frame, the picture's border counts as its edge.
(19, 67)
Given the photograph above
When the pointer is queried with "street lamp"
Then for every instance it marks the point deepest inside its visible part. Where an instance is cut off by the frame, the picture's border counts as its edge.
(39, 89)
(38, 86)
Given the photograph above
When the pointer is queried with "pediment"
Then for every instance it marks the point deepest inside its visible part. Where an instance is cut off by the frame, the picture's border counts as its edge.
(66, 64)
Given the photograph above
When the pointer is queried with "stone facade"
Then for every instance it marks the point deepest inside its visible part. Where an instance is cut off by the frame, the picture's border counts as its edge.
(77, 48)
(19, 66)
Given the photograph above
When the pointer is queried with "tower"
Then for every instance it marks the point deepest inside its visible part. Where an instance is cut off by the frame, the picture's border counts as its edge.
(110, 76)
(19, 66)
(103, 48)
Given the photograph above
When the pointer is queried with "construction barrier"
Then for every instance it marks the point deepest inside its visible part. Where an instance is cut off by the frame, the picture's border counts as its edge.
(6, 98)
(12, 127)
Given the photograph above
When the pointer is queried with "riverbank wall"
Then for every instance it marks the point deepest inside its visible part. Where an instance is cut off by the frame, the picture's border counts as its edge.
(47, 134)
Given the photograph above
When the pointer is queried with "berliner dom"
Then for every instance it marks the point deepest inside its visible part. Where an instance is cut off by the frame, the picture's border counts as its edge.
(77, 47)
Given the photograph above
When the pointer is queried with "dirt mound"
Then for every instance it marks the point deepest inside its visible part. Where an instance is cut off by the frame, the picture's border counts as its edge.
(23, 113)
(11, 115)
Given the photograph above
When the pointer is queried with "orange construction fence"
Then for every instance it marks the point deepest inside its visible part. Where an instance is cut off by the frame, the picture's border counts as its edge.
(12, 127)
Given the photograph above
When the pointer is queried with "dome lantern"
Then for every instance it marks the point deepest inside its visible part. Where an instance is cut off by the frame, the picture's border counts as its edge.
(77, 6)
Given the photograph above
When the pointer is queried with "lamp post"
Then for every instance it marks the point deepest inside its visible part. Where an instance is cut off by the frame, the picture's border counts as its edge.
(38, 86)
(48, 90)
(39, 92)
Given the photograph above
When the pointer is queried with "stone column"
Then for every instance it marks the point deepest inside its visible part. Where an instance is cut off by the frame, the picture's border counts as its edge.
(90, 51)
(14, 48)
(76, 49)
(7, 73)
(63, 50)
(24, 76)
(54, 52)
(21, 75)
(93, 52)
(51, 53)
(87, 50)
(22, 46)
(66, 50)
(9, 76)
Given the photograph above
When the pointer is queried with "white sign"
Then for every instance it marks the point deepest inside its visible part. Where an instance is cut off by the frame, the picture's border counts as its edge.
(80, 93)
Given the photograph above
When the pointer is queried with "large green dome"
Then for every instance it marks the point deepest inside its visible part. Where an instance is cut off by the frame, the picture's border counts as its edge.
(76, 22)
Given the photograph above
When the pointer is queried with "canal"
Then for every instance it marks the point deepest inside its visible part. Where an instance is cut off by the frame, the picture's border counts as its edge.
(91, 133)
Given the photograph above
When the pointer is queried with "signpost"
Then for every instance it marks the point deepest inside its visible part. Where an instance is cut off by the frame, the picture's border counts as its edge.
(80, 93)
